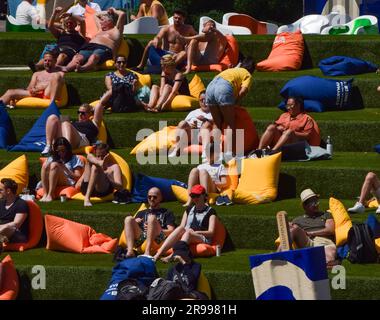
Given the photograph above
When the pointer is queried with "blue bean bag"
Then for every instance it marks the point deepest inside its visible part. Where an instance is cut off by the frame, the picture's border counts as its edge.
(35, 139)
(142, 184)
(5, 126)
(377, 148)
(345, 66)
(319, 94)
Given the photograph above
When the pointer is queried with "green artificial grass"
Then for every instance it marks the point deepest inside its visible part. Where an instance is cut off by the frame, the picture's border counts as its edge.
(229, 275)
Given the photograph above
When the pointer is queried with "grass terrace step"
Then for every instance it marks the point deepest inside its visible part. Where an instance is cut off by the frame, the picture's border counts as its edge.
(249, 226)
(229, 275)
(87, 87)
(342, 176)
(362, 126)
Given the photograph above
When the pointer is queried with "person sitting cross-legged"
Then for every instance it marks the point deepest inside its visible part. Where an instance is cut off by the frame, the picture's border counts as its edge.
(197, 225)
(371, 184)
(101, 175)
(152, 224)
(14, 213)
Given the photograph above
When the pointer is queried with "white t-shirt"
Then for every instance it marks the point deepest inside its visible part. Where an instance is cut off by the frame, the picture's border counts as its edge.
(26, 13)
(78, 10)
(216, 171)
(193, 115)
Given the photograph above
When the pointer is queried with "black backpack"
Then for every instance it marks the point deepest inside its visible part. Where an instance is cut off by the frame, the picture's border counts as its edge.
(162, 289)
(131, 289)
(361, 244)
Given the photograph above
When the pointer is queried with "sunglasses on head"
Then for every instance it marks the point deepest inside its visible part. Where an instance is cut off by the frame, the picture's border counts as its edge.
(82, 113)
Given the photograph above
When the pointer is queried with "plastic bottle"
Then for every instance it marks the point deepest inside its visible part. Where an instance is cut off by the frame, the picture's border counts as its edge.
(329, 146)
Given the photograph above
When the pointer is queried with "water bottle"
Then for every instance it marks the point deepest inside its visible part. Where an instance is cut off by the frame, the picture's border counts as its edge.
(329, 146)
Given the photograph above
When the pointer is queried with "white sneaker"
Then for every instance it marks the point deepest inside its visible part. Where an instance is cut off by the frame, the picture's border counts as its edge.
(357, 208)
(46, 151)
(378, 210)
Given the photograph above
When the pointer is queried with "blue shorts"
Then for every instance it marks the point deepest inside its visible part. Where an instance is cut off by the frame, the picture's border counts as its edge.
(155, 54)
(220, 92)
(103, 52)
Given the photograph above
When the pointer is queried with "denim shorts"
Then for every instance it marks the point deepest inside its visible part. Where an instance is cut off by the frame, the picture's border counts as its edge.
(220, 93)
(103, 52)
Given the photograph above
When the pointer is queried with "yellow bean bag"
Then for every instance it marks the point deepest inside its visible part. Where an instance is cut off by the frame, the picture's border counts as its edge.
(102, 136)
(127, 180)
(123, 50)
(185, 103)
(203, 285)
(373, 204)
(33, 102)
(18, 171)
(141, 249)
(342, 221)
(157, 141)
(259, 180)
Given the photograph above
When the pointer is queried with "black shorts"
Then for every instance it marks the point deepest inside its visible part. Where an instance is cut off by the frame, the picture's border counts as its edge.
(68, 51)
(84, 186)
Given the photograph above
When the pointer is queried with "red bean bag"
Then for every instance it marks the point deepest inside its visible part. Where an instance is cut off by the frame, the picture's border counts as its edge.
(231, 57)
(70, 236)
(34, 229)
(9, 282)
(287, 53)
(244, 121)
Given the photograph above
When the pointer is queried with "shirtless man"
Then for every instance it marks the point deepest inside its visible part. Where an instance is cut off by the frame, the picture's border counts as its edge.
(170, 40)
(101, 174)
(45, 84)
(103, 46)
(206, 48)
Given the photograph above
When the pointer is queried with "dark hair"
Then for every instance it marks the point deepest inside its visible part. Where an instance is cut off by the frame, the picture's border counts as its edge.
(180, 12)
(54, 53)
(10, 184)
(62, 141)
(101, 145)
(120, 56)
(249, 64)
(298, 100)
(202, 92)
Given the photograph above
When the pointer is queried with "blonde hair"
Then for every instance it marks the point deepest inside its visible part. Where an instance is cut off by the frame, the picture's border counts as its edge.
(167, 60)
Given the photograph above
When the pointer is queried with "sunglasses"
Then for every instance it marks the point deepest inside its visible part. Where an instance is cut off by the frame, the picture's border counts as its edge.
(82, 113)
(121, 61)
(152, 197)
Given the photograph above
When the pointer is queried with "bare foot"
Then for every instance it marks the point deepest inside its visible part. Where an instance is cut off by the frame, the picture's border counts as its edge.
(47, 199)
(87, 203)
(78, 68)
(167, 259)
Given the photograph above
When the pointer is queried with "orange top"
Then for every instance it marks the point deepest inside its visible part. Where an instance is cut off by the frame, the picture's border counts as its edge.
(301, 123)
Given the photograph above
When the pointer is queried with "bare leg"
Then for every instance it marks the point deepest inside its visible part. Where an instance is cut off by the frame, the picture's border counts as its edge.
(153, 230)
(191, 52)
(205, 134)
(217, 116)
(164, 96)
(115, 176)
(270, 136)
(12, 94)
(53, 90)
(180, 57)
(170, 241)
(287, 136)
(206, 181)
(53, 129)
(144, 57)
(299, 236)
(56, 178)
(98, 180)
(77, 60)
(371, 182)
(194, 178)
(45, 180)
(228, 113)
(90, 64)
(154, 95)
(182, 137)
(132, 232)
(71, 134)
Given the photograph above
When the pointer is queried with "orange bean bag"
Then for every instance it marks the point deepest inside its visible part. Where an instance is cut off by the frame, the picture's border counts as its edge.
(9, 283)
(287, 53)
(244, 121)
(70, 236)
(34, 229)
(69, 192)
(231, 57)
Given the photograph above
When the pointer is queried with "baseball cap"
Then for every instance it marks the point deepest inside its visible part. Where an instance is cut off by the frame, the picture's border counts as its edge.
(307, 194)
(198, 189)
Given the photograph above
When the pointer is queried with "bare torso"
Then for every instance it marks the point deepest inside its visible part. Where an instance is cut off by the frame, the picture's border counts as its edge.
(43, 79)
(110, 38)
(173, 39)
(215, 47)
